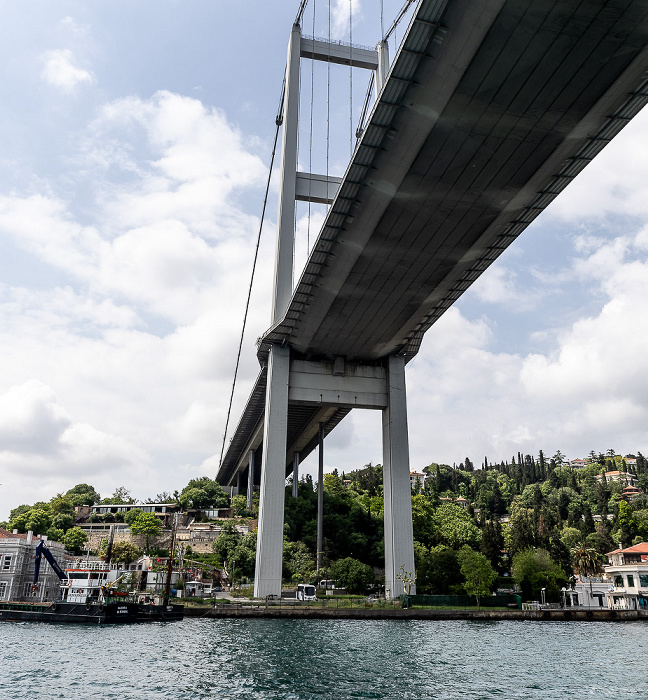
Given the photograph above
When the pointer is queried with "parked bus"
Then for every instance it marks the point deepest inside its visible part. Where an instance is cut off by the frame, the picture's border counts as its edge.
(306, 592)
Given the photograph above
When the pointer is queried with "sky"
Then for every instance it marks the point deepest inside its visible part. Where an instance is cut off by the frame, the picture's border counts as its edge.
(135, 150)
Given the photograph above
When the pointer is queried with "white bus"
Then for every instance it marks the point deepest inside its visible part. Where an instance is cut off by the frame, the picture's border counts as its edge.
(306, 592)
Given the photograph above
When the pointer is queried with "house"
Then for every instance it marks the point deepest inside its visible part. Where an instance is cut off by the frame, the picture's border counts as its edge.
(629, 493)
(578, 463)
(462, 502)
(161, 510)
(417, 478)
(17, 557)
(619, 477)
(627, 570)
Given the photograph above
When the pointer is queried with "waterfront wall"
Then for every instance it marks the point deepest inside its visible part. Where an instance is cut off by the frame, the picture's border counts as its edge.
(314, 613)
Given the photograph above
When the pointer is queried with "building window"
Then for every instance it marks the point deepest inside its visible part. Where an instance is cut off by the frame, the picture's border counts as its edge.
(643, 580)
(618, 581)
(3, 590)
(6, 564)
(630, 581)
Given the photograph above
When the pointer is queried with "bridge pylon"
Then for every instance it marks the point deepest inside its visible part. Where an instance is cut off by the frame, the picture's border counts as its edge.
(325, 385)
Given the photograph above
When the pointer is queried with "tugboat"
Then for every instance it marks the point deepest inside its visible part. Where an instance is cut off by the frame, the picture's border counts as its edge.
(87, 596)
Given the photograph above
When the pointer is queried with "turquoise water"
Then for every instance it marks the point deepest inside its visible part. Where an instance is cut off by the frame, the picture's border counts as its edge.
(313, 659)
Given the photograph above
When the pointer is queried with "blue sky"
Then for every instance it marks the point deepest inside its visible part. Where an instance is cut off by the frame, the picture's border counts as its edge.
(136, 138)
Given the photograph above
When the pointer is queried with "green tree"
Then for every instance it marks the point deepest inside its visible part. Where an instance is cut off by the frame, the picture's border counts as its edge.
(243, 558)
(125, 552)
(74, 539)
(55, 535)
(492, 543)
(439, 572)
(38, 520)
(239, 505)
(60, 504)
(146, 524)
(423, 520)
(131, 516)
(82, 495)
(298, 563)
(535, 569)
(477, 571)
(352, 574)
(203, 493)
(227, 542)
(121, 496)
(586, 561)
(63, 521)
(454, 527)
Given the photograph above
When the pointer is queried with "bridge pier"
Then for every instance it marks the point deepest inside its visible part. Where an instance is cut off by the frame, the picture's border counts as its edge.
(327, 385)
(399, 538)
(273, 476)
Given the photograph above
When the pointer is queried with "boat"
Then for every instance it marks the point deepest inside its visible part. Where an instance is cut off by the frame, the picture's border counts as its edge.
(89, 596)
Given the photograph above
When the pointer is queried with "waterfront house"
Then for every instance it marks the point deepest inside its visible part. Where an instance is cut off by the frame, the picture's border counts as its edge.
(17, 557)
(627, 570)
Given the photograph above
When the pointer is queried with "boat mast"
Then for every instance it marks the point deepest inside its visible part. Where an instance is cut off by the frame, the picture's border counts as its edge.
(167, 587)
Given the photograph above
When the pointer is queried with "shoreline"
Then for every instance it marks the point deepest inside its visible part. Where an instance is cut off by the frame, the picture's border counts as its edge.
(313, 613)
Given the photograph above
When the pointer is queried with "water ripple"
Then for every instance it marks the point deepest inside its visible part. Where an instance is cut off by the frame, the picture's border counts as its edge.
(325, 659)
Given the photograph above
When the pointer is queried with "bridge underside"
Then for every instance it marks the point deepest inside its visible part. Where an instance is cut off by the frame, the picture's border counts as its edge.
(490, 109)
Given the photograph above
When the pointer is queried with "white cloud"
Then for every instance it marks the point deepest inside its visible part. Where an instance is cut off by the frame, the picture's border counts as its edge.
(141, 337)
(60, 71)
(614, 183)
(343, 11)
(500, 286)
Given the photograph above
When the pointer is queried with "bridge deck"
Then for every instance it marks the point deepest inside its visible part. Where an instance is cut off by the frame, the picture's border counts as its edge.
(490, 109)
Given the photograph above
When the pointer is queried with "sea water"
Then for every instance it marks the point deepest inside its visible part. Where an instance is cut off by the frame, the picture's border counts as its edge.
(337, 659)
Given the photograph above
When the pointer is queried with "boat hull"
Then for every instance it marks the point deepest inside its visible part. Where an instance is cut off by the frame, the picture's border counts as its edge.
(91, 613)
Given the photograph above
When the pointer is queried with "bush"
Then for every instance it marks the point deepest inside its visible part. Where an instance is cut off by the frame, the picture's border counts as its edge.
(352, 574)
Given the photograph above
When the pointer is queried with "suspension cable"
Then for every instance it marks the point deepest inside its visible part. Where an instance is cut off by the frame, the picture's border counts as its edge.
(350, 78)
(328, 92)
(278, 121)
(365, 107)
(310, 145)
(399, 17)
(300, 12)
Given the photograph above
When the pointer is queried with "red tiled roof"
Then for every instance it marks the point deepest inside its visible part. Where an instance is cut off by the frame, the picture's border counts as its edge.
(6, 533)
(641, 548)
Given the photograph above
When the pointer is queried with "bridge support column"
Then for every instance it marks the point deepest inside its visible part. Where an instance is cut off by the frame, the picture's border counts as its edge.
(273, 476)
(399, 538)
(250, 483)
(295, 483)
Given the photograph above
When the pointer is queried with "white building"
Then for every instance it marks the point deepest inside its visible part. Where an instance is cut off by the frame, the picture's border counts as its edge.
(624, 478)
(416, 478)
(627, 570)
(17, 557)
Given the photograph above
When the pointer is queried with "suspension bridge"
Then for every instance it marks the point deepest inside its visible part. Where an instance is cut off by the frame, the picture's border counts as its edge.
(488, 110)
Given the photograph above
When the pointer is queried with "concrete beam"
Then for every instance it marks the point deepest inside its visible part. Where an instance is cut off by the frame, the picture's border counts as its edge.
(337, 52)
(316, 188)
(361, 386)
